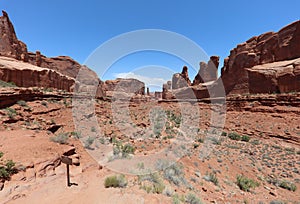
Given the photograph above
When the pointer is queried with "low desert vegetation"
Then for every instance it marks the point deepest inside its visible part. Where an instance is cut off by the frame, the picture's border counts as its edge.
(7, 168)
(22, 103)
(245, 183)
(192, 199)
(11, 112)
(7, 84)
(115, 181)
(61, 138)
(234, 136)
(121, 150)
(152, 183)
(237, 137)
(175, 174)
(88, 142)
(212, 177)
(283, 184)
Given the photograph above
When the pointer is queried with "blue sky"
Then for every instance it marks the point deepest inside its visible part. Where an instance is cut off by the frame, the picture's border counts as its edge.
(77, 28)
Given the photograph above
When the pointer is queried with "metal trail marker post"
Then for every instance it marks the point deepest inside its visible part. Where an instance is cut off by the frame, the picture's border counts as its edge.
(68, 161)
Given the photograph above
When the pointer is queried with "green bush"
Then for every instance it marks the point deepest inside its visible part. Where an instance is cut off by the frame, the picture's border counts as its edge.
(282, 184)
(156, 184)
(88, 142)
(245, 183)
(176, 199)
(61, 138)
(22, 103)
(245, 138)
(116, 181)
(234, 136)
(288, 185)
(175, 174)
(76, 135)
(7, 84)
(212, 177)
(11, 112)
(224, 134)
(124, 150)
(192, 199)
(7, 168)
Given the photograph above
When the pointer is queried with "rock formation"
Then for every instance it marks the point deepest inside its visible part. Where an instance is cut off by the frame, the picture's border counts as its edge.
(27, 75)
(268, 63)
(276, 77)
(158, 95)
(125, 85)
(10, 46)
(267, 48)
(208, 71)
(56, 72)
(181, 80)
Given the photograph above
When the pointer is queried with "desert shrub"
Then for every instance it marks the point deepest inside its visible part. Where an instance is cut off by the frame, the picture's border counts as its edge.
(193, 199)
(224, 134)
(61, 138)
(215, 141)
(234, 136)
(176, 199)
(7, 168)
(93, 129)
(288, 185)
(245, 138)
(76, 135)
(174, 174)
(121, 150)
(7, 84)
(155, 184)
(22, 103)
(11, 112)
(245, 183)
(212, 177)
(88, 142)
(276, 202)
(168, 191)
(282, 184)
(115, 181)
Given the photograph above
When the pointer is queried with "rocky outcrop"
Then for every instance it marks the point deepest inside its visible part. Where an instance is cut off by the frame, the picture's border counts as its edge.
(63, 64)
(167, 92)
(208, 71)
(56, 72)
(124, 85)
(10, 46)
(266, 48)
(158, 95)
(181, 80)
(27, 75)
(276, 77)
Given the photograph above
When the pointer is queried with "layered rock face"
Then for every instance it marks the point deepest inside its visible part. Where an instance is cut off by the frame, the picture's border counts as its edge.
(276, 77)
(208, 71)
(63, 64)
(10, 46)
(266, 48)
(56, 72)
(132, 86)
(27, 75)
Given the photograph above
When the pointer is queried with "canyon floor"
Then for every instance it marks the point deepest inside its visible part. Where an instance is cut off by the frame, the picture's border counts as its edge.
(254, 158)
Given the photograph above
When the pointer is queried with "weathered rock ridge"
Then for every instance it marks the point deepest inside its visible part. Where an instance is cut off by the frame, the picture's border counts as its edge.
(267, 48)
(268, 63)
